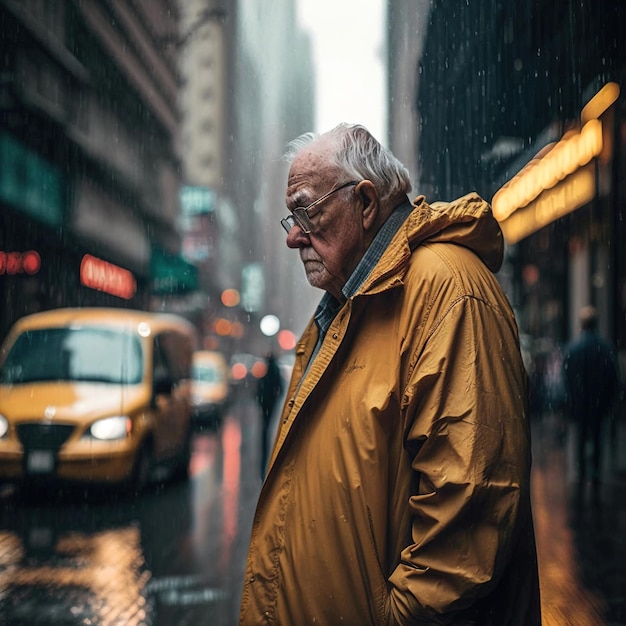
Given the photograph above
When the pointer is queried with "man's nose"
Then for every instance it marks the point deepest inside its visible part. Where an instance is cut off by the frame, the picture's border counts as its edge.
(296, 237)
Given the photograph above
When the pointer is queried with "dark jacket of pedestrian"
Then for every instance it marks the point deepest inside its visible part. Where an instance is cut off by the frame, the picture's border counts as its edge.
(270, 387)
(591, 379)
(590, 371)
(269, 390)
(398, 488)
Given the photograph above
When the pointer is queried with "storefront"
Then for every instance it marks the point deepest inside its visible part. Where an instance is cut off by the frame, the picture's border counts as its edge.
(43, 264)
(39, 270)
(561, 216)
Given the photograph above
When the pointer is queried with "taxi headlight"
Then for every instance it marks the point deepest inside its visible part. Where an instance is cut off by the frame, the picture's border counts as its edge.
(117, 427)
(4, 427)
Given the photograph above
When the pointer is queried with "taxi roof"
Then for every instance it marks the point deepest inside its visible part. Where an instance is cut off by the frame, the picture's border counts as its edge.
(127, 318)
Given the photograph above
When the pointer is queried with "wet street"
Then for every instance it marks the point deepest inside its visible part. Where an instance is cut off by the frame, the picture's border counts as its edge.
(175, 556)
(581, 531)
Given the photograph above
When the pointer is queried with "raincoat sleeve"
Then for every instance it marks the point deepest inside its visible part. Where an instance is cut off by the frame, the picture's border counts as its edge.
(468, 441)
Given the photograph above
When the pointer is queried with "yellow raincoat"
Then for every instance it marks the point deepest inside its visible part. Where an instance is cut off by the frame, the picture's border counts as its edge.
(398, 488)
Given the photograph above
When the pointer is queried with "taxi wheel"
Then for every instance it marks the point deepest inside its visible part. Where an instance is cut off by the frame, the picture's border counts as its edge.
(142, 470)
(181, 471)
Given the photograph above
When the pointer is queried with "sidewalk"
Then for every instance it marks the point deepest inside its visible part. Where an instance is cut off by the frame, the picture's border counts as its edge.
(581, 531)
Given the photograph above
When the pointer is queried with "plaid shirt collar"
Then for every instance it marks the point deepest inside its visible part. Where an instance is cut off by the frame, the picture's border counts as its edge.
(329, 306)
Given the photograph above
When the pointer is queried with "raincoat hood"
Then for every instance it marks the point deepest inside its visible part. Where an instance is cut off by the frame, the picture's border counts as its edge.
(467, 221)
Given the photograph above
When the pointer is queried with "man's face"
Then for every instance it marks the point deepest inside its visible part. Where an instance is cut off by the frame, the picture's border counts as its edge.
(336, 244)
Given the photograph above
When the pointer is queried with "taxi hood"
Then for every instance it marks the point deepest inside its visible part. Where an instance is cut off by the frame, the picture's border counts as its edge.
(70, 402)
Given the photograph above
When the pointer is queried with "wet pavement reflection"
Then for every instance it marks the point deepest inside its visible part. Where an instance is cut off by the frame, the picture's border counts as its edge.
(580, 531)
(175, 556)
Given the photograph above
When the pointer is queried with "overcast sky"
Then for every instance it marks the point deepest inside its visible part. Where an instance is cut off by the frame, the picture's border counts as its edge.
(349, 54)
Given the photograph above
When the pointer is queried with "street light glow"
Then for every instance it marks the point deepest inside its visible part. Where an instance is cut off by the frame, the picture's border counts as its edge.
(270, 325)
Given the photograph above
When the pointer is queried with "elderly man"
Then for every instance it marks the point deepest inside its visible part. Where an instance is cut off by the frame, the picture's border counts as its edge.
(398, 488)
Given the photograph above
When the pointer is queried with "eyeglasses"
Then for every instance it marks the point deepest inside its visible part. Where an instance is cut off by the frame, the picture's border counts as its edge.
(300, 215)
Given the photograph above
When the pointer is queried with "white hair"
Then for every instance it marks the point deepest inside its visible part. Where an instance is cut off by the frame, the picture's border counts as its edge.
(361, 157)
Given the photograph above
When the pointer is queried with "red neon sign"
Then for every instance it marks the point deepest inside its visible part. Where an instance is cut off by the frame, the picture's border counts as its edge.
(107, 277)
(12, 263)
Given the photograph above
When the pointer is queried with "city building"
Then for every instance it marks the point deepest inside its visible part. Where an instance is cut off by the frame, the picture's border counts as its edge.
(89, 146)
(247, 89)
(523, 102)
(272, 101)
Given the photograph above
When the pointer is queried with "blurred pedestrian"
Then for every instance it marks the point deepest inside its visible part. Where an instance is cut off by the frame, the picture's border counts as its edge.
(591, 379)
(269, 389)
(537, 393)
(398, 488)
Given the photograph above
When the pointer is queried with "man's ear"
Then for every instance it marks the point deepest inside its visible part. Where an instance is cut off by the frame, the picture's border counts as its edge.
(368, 196)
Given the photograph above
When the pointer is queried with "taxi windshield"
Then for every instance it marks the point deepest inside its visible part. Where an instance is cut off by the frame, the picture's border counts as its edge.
(74, 354)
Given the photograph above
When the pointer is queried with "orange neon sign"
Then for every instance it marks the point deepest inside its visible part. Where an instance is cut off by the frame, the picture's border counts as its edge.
(573, 151)
(103, 276)
(576, 191)
(561, 178)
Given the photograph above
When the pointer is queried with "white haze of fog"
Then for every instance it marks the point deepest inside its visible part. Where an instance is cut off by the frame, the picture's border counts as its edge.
(348, 49)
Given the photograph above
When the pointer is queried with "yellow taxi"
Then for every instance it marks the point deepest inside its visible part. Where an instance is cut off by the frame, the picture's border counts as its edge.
(96, 395)
(210, 387)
